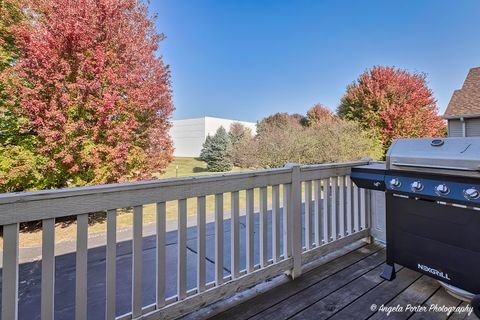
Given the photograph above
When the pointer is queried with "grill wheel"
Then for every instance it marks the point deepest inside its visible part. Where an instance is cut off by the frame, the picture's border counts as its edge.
(476, 305)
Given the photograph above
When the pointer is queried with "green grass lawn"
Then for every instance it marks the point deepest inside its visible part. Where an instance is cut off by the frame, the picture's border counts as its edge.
(187, 167)
(180, 167)
(183, 167)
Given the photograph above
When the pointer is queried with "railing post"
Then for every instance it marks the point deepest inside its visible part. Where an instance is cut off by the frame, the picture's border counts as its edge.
(295, 220)
(10, 272)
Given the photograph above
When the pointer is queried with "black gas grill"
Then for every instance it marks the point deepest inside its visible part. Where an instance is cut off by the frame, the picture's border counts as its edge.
(432, 209)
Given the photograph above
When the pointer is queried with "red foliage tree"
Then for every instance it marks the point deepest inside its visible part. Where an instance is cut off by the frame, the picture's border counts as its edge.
(394, 103)
(96, 93)
(319, 113)
(281, 120)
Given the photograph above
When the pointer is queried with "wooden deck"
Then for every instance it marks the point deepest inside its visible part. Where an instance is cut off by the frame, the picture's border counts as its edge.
(346, 288)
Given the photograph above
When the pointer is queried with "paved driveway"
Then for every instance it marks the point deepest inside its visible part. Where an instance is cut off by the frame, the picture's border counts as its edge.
(30, 273)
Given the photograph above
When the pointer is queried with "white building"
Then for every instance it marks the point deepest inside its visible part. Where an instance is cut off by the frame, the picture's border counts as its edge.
(188, 135)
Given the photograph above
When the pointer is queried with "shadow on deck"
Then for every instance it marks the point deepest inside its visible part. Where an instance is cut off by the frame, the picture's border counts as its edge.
(349, 287)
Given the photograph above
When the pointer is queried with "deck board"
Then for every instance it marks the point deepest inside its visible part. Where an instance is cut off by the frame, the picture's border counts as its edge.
(387, 290)
(440, 298)
(321, 289)
(461, 316)
(415, 295)
(341, 298)
(268, 299)
(346, 288)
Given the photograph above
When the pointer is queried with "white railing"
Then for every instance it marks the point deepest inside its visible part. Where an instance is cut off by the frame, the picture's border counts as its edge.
(336, 213)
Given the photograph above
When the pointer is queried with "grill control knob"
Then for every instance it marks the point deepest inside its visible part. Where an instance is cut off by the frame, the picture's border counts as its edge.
(395, 183)
(416, 186)
(471, 194)
(442, 189)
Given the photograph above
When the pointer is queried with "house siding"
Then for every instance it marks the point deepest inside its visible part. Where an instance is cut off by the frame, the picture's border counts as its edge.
(455, 128)
(472, 127)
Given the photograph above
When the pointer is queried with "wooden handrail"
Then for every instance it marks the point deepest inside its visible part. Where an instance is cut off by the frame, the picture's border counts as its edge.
(338, 214)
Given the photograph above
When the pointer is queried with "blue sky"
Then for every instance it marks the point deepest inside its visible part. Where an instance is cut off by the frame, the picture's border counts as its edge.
(247, 59)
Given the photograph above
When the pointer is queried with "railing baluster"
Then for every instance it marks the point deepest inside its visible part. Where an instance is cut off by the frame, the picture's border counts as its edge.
(250, 230)
(308, 214)
(287, 244)
(334, 204)
(356, 222)
(201, 222)
(275, 223)
(182, 250)
(326, 210)
(296, 221)
(363, 208)
(263, 227)
(81, 267)
(219, 239)
(10, 272)
(48, 269)
(137, 261)
(341, 206)
(111, 264)
(235, 235)
(160, 266)
(349, 205)
(317, 184)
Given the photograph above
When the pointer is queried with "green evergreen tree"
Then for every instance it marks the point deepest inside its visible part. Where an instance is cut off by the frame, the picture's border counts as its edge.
(216, 152)
(206, 147)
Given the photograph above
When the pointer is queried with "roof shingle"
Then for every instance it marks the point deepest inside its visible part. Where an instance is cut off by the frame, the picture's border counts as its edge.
(466, 101)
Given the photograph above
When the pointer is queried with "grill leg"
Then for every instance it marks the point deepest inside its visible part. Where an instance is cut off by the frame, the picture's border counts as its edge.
(476, 305)
(388, 272)
(389, 269)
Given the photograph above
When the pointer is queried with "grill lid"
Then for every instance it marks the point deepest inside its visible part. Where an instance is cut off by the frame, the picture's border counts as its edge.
(452, 156)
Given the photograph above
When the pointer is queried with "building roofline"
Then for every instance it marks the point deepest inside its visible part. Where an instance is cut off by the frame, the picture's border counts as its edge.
(209, 117)
(452, 117)
(464, 101)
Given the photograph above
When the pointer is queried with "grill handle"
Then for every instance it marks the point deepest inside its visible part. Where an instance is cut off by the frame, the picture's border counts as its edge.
(431, 166)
